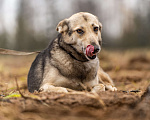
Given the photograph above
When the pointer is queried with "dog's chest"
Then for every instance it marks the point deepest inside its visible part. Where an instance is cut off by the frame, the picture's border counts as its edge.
(73, 69)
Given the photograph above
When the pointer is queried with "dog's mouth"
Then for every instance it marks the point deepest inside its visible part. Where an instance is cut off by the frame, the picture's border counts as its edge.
(90, 52)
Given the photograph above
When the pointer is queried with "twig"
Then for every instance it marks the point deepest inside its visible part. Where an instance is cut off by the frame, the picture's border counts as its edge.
(135, 91)
(88, 94)
(14, 52)
(100, 100)
(83, 86)
(26, 97)
(95, 95)
(19, 89)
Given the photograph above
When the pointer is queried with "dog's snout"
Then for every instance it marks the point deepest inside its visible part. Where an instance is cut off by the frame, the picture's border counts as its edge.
(96, 49)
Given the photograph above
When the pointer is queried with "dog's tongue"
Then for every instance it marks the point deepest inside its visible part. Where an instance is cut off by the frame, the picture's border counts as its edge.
(89, 50)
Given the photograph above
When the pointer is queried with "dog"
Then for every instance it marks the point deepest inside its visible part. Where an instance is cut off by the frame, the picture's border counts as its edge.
(70, 61)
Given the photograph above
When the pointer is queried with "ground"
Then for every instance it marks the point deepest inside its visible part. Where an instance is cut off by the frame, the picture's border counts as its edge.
(129, 69)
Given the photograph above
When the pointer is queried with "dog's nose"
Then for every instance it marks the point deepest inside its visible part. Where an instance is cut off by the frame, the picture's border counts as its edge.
(96, 48)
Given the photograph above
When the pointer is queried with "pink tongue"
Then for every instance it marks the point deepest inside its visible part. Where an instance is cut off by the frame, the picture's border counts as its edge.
(89, 50)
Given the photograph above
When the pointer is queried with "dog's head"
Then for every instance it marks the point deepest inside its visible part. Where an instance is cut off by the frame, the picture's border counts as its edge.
(83, 32)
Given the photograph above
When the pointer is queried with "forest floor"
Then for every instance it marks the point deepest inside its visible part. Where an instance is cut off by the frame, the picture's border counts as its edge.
(129, 69)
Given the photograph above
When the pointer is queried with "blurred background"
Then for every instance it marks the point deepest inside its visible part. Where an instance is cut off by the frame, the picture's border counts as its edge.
(29, 25)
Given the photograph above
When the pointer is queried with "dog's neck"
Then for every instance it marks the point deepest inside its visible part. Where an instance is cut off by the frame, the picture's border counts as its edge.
(72, 64)
(69, 49)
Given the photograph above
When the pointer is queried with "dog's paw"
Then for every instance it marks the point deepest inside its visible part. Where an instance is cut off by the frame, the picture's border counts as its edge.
(51, 88)
(98, 88)
(115, 89)
(111, 88)
(60, 89)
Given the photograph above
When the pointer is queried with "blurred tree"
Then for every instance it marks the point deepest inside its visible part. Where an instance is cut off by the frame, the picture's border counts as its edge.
(85, 6)
(26, 37)
(52, 16)
(3, 39)
(20, 35)
(137, 37)
(37, 20)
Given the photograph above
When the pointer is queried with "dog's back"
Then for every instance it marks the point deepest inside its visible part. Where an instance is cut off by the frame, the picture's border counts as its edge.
(71, 61)
(36, 72)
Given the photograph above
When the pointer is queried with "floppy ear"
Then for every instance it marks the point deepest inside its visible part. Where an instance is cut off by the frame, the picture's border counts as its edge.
(62, 26)
(100, 26)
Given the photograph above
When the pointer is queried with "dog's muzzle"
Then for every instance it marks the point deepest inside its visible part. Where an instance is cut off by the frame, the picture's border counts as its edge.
(91, 51)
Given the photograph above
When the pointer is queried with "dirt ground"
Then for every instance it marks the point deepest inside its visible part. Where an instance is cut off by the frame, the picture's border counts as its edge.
(129, 69)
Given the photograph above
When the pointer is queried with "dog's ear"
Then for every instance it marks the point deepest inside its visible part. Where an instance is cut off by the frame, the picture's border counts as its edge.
(62, 26)
(100, 26)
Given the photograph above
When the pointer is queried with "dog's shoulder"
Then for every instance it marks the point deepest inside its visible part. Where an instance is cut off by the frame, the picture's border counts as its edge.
(36, 72)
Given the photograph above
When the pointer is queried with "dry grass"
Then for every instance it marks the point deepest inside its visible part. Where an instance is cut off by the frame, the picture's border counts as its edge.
(129, 70)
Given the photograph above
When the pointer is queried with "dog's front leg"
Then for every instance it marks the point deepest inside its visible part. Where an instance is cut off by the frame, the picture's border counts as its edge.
(98, 88)
(95, 86)
(50, 88)
(106, 80)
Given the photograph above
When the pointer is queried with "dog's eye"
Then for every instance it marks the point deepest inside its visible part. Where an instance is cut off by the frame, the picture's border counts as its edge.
(80, 31)
(95, 29)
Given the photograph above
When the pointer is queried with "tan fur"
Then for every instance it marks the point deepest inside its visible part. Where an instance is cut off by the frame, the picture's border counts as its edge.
(55, 79)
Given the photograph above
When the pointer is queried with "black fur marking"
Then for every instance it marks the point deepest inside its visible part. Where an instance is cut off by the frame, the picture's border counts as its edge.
(69, 29)
(64, 23)
(70, 32)
(100, 42)
(37, 70)
(35, 75)
(84, 59)
(69, 49)
(79, 74)
(100, 28)
(85, 18)
(69, 53)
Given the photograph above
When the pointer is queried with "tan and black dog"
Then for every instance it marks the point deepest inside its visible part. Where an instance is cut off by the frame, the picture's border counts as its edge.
(70, 61)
